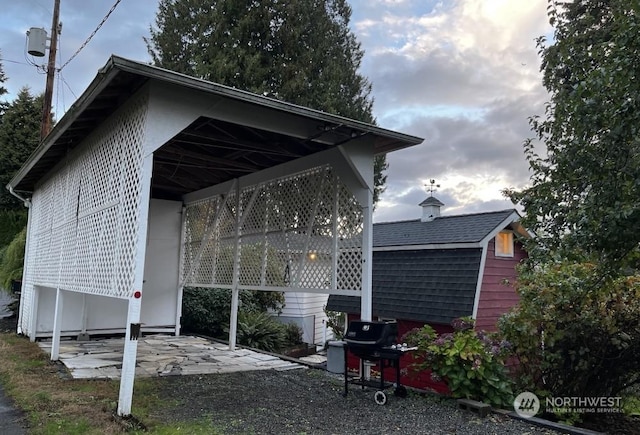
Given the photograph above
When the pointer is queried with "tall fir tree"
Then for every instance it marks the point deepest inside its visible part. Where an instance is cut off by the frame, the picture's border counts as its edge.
(299, 51)
(583, 201)
(3, 90)
(19, 136)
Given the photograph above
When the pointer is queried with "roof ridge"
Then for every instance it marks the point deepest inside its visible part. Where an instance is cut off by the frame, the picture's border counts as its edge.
(511, 210)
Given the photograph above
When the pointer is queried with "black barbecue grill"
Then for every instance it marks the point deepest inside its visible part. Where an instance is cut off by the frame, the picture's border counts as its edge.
(374, 342)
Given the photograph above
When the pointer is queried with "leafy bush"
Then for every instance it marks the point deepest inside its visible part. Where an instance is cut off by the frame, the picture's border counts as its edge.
(575, 332)
(261, 331)
(207, 311)
(12, 260)
(11, 223)
(335, 322)
(292, 334)
(472, 363)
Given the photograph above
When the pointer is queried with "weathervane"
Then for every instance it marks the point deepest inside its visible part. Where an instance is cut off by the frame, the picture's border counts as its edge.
(431, 187)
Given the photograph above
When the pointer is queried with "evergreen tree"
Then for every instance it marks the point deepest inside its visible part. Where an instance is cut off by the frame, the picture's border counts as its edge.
(299, 51)
(19, 136)
(584, 195)
(3, 90)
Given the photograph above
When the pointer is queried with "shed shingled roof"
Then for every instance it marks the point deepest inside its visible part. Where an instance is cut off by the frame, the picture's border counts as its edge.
(427, 285)
(466, 228)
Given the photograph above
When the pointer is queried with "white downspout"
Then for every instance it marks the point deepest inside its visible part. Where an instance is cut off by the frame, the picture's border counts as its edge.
(27, 203)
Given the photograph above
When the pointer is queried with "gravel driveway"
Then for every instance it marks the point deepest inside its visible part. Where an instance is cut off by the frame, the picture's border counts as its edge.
(311, 402)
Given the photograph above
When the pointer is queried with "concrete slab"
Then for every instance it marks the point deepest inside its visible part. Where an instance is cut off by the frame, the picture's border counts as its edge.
(162, 355)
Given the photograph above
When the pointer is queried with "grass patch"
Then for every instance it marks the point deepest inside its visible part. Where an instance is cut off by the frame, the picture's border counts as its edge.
(56, 404)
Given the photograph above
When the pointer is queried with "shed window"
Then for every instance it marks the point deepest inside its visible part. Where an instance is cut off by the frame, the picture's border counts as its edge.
(504, 244)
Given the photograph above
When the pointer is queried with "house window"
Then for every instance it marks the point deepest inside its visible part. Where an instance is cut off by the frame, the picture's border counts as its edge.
(504, 244)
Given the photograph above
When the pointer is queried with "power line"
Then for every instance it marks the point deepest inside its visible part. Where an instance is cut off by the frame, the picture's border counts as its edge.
(14, 61)
(106, 17)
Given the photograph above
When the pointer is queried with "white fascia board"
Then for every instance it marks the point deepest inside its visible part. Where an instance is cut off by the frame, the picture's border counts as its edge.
(120, 63)
(513, 217)
(476, 299)
(430, 246)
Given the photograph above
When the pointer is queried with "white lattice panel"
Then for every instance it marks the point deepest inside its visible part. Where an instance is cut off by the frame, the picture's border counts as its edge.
(293, 230)
(85, 216)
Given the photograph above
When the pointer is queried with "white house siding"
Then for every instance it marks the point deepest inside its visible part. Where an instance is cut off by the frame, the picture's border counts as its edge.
(307, 311)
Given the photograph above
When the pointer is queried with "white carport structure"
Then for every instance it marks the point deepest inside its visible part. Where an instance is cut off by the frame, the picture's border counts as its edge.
(154, 180)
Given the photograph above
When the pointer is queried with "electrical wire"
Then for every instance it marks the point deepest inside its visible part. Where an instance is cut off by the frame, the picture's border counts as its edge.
(40, 68)
(84, 44)
(68, 87)
(14, 61)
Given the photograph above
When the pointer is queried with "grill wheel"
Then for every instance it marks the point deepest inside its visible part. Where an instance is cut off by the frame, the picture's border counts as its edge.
(380, 397)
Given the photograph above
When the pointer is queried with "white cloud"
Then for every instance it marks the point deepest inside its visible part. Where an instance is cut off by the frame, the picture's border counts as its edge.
(464, 75)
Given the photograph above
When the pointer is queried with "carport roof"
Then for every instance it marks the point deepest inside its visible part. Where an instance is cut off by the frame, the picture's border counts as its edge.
(209, 151)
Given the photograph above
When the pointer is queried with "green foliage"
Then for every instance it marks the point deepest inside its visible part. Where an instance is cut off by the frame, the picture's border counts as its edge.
(3, 90)
(575, 332)
(261, 331)
(472, 363)
(19, 136)
(12, 260)
(300, 51)
(292, 334)
(207, 311)
(335, 321)
(11, 223)
(584, 192)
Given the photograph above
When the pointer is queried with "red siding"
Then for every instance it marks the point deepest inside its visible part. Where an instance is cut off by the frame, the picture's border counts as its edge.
(408, 377)
(496, 296)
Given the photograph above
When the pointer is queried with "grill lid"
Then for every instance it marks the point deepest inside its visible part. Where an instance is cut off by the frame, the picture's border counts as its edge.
(378, 334)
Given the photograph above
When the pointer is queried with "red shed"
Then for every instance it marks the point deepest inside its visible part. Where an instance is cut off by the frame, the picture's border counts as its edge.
(438, 268)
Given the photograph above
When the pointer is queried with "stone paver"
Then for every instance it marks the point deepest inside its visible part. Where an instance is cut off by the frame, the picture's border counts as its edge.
(162, 355)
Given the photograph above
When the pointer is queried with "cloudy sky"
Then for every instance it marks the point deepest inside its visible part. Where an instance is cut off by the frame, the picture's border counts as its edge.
(463, 74)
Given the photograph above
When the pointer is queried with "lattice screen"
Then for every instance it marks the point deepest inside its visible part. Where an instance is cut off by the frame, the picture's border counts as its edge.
(302, 231)
(85, 216)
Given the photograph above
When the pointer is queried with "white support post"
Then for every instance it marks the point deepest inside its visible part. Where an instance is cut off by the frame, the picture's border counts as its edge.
(335, 252)
(128, 372)
(57, 325)
(235, 292)
(35, 299)
(367, 259)
(183, 233)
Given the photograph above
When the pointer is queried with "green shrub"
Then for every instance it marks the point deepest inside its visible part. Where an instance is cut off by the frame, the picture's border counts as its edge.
(472, 363)
(12, 260)
(11, 223)
(292, 334)
(575, 331)
(207, 311)
(335, 321)
(260, 331)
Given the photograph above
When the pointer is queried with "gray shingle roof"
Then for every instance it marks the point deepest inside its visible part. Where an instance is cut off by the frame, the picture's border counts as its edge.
(435, 285)
(467, 228)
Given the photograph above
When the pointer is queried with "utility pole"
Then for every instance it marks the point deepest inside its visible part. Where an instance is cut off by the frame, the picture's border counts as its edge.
(45, 125)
